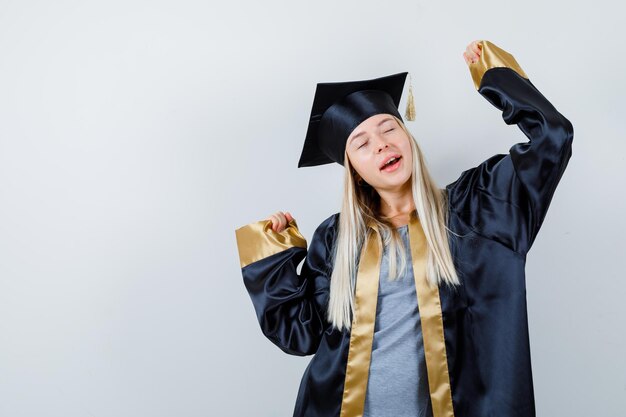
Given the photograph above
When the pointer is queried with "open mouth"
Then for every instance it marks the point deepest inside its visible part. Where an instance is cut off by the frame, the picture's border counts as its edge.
(391, 165)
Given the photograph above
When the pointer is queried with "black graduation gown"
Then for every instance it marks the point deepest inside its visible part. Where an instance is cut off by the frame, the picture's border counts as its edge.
(497, 209)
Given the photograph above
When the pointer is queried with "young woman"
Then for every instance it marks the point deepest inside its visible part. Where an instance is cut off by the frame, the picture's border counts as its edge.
(412, 298)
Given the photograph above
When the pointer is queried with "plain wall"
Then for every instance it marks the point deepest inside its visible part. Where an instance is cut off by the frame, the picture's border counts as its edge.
(136, 136)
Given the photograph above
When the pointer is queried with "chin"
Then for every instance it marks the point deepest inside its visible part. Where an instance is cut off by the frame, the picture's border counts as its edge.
(404, 179)
(397, 182)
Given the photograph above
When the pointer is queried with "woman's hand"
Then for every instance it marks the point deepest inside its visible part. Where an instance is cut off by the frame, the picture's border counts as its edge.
(279, 220)
(472, 52)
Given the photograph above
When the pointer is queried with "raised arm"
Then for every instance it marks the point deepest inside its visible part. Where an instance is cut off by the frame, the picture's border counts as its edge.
(289, 306)
(506, 197)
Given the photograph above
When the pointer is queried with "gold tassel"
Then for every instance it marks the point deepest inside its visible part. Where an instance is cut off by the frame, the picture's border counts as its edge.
(410, 103)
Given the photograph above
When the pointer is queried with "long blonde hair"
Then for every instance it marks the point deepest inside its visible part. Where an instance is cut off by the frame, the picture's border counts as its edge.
(360, 206)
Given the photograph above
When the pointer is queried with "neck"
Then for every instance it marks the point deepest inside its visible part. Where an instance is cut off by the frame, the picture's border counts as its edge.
(397, 203)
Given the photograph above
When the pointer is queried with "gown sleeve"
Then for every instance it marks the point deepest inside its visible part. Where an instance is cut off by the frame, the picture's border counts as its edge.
(290, 306)
(506, 197)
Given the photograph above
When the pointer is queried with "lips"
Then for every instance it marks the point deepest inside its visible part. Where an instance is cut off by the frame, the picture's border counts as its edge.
(384, 164)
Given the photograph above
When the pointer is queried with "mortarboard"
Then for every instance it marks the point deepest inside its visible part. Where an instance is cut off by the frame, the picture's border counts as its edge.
(339, 107)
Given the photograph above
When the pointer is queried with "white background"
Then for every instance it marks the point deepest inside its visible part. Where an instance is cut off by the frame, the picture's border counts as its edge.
(136, 136)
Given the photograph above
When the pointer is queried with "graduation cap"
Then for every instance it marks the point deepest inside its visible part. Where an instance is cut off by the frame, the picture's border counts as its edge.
(339, 107)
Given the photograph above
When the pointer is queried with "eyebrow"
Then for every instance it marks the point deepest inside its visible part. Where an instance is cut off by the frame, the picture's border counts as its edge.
(362, 133)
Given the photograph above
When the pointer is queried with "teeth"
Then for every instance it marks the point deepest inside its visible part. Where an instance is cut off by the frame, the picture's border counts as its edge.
(390, 161)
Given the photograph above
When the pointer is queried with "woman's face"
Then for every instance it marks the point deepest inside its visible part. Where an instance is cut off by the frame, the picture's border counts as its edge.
(374, 142)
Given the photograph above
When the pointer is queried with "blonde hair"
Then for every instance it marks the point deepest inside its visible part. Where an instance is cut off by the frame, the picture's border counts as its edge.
(360, 206)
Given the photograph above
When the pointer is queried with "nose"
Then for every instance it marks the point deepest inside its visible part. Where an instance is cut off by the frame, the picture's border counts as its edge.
(378, 142)
(381, 145)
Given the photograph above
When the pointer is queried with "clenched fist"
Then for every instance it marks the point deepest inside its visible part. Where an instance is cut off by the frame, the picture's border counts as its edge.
(472, 52)
(279, 220)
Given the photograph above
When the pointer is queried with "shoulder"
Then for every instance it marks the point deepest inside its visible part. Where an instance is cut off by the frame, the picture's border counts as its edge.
(329, 225)
(329, 222)
(327, 230)
(322, 246)
(474, 179)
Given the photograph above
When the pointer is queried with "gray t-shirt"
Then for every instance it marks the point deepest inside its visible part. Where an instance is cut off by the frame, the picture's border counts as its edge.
(398, 382)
